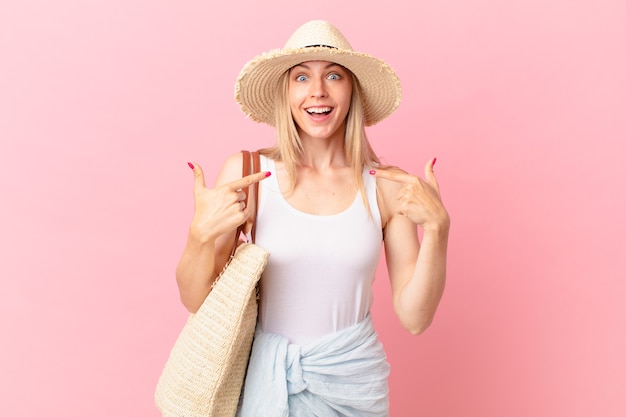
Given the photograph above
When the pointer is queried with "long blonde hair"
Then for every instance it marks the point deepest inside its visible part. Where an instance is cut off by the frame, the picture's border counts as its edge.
(289, 150)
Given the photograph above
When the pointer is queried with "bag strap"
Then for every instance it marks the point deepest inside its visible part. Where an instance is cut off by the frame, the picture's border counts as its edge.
(251, 165)
(256, 167)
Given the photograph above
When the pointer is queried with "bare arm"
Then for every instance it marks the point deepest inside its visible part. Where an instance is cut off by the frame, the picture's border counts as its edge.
(417, 271)
(217, 214)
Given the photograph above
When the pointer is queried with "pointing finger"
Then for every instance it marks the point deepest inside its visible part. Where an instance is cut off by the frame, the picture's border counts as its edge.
(396, 175)
(248, 180)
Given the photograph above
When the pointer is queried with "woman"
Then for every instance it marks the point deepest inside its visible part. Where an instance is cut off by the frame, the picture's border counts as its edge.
(325, 207)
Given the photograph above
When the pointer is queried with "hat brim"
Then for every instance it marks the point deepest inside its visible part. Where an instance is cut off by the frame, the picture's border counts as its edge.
(255, 88)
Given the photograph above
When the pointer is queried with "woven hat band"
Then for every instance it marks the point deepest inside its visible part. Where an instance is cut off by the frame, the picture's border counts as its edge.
(317, 33)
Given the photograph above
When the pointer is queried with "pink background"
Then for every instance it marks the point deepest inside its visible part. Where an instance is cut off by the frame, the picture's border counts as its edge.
(102, 103)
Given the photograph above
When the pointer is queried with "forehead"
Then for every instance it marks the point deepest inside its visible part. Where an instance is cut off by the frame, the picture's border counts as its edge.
(322, 64)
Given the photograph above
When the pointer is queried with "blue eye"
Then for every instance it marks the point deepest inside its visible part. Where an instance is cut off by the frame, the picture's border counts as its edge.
(334, 77)
(301, 78)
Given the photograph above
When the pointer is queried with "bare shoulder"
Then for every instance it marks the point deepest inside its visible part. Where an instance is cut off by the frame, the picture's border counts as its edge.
(389, 187)
(231, 169)
(387, 192)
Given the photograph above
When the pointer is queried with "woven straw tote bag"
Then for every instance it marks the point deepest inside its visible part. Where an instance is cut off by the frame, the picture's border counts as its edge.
(204, 373)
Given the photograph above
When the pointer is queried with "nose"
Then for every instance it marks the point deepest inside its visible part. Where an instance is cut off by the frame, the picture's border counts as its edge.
(318, 87)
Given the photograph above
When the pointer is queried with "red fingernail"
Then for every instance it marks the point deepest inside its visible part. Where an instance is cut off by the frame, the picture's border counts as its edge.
(434, 160)
(372, 172)
(267, 174)
(190, 165)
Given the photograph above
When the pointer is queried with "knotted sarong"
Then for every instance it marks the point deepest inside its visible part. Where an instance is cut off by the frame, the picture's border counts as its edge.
(341, 374)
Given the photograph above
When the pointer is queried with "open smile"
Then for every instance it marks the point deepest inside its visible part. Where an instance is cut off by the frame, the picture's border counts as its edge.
(319, 111)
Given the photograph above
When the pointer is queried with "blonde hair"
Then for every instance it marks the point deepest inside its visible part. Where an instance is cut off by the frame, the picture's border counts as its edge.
(288, 150)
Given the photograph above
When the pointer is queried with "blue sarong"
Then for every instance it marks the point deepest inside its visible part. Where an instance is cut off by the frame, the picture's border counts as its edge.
(341, 374)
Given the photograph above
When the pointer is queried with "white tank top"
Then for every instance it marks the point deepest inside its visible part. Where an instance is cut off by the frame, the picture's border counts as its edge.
(319, 276)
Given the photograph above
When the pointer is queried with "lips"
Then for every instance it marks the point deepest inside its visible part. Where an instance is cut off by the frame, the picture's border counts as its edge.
(319, 111)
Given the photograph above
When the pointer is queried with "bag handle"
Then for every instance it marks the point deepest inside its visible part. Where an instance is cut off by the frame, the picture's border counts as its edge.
(256, 168)
(250, 160)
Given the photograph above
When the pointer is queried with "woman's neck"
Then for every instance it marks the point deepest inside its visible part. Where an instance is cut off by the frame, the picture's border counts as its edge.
(322, 153)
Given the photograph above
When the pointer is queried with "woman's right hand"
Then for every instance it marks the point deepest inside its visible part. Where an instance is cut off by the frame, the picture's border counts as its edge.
(222, 209)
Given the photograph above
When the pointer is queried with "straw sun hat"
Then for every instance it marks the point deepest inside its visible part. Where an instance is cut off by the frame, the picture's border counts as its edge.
(316, 40)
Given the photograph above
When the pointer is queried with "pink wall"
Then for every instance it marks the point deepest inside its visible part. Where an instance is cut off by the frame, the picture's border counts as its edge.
(102, 103)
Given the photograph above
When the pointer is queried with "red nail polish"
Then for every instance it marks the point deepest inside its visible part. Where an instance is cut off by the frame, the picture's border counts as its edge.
(190, 165)
(372, 172)
(267, 174)
(434, 161)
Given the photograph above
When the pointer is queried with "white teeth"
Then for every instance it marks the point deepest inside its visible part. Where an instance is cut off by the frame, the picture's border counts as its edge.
(318, 110)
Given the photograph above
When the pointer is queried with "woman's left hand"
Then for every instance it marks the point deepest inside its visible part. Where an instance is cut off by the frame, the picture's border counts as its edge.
(418, 199)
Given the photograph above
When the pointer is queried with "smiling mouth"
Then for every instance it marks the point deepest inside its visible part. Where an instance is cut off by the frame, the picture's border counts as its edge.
(321, 111)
